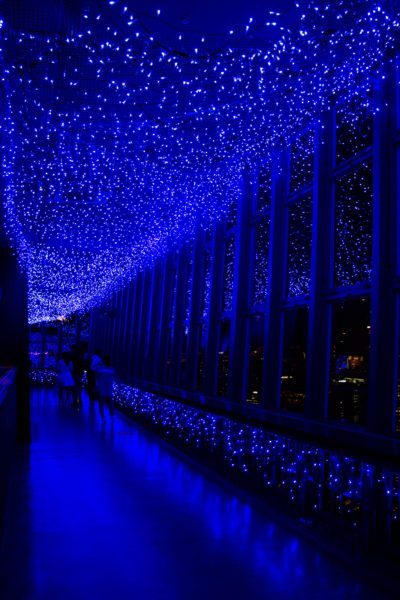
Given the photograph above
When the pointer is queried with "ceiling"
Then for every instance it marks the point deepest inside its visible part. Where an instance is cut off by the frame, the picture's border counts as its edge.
(131, 129)
(190, 18)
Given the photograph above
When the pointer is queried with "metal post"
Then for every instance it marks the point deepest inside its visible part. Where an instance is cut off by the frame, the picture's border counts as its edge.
(381, 408)
(195, 311)
(239, 333)
(107, 325)
(137, 325)
(277, 278)
(178, 325)
(60, 339)
(167, 291)
(111, 314)
(121, 324)
(323, 222)
(93, 330)
(113, 323)
(78, 329)
(145, 321)
(215, 307)
(129, 329)
(43, 344)
(154, 322)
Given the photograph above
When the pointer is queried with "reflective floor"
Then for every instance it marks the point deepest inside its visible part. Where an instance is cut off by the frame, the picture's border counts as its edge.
(103, 510)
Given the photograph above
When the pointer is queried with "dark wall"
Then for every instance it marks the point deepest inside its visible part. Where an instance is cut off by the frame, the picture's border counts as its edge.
(14, 332)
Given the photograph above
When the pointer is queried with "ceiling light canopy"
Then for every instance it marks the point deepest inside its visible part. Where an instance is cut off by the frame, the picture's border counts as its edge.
(118, 141)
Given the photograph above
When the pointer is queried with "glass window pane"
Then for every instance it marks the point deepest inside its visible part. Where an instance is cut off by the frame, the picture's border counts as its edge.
(36, 355)
(353, 127)
(189, 281)
(354, 227)
(299, 249)
(183, 330)
(183, 359)
(294, 359)
(207, 285)
(169, 354)
(43, 345)
(261, 261)
(302, 161)
(223, 358)
(171, 300)
(201, 357)
(228, 273)
(264, 188)
(256, 359)
(231, 217)
(349, 360)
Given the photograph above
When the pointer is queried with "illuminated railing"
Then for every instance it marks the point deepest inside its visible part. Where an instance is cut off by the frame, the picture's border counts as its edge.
(7, 377)
(48, 376)
(42, 376)
(318, 485)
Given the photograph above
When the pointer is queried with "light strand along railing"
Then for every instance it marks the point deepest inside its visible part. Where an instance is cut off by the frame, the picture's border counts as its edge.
(318, 485)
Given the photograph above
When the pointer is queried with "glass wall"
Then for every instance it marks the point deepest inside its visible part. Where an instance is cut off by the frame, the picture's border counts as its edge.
(294, 362)
(188, 283)
(228, 273)
(353, 127)
(353, 226)
(205, 294)
(299, 246)
(47, 341)
(171, 311)
(349, 360)
(223, 357)
(321, 186)
(256, 326)
(201, 358)
(302, 161)
(262, 233)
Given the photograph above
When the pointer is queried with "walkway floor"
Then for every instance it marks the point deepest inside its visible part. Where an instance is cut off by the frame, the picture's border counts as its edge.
(105, 511)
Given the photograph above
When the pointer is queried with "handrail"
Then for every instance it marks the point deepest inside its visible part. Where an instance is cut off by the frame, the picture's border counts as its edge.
(7, 377)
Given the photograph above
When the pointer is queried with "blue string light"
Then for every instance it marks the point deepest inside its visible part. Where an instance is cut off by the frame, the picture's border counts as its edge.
(313, 481)
(116, 147)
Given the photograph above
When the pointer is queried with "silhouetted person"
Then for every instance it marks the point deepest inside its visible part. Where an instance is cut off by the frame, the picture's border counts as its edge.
(105, 377)
(65, 380)
(78, 364)
(95, 362)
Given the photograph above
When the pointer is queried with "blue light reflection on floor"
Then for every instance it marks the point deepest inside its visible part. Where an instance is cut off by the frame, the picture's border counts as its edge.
(103, 510)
